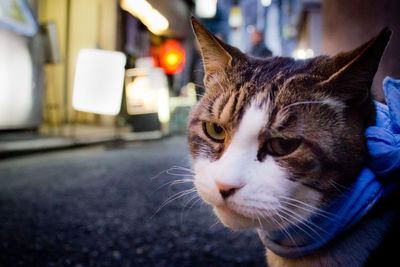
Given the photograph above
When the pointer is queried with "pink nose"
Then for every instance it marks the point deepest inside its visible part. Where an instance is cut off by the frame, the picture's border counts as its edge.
(227, 190)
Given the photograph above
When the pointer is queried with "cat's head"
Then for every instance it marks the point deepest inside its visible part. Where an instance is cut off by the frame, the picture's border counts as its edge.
(274, 136)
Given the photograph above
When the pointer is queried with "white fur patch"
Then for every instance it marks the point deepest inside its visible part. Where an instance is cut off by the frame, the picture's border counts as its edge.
(262, 184)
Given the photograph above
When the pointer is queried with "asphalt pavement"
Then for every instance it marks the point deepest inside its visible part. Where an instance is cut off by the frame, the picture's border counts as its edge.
(105, 206)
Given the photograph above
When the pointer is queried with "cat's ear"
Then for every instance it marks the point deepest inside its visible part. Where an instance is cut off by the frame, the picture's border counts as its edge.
(216, 59)
(354, 71)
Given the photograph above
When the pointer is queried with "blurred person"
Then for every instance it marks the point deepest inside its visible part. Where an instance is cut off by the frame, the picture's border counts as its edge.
(258, 47)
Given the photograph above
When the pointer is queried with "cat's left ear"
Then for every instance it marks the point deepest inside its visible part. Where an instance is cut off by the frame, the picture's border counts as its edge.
(355, 70)
(216, 58)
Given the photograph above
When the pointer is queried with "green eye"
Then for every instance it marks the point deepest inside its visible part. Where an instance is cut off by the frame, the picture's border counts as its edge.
(282, 147)
(214, 131)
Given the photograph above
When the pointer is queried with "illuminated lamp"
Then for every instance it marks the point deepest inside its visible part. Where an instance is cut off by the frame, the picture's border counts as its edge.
(148, 93)
(303, 53)
(266, 3)
(149, 16)
(99, 81)
(172, 57)
(206, 9)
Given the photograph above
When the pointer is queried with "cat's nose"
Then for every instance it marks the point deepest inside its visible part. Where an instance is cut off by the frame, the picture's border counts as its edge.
(227, 190)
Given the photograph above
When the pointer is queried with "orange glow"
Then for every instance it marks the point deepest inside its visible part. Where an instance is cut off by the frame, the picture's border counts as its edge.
(172, 57)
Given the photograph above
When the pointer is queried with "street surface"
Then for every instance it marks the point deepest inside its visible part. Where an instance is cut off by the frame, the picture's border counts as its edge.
(100, 206)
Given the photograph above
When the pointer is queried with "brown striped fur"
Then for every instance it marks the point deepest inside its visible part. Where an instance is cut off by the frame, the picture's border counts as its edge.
(331, 129)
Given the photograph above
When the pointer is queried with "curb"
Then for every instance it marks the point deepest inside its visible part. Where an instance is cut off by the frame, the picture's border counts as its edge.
(19, 148)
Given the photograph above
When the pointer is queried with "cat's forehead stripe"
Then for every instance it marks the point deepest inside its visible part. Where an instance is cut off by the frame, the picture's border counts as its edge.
(226, 111)
(218, 103)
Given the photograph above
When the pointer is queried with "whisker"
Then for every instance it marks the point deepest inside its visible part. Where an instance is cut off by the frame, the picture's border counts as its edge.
(189, 200)
(284, 229)
(314, 211)
(276, 222)
(187, 203)
(172, 169)
(337, 186)
(214, 224)
(172, 198)
(322, 102)
(176, 196)
(301, 222)
(182, 168)
(180, 174)
(207, 105)
(199, 85)
(172, 183)
(309, 206)
(259, 221)
(180, 181)
(212, 76)
(195, 202)
(157, 175)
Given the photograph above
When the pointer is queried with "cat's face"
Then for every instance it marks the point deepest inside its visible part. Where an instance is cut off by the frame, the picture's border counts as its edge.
(274, 139)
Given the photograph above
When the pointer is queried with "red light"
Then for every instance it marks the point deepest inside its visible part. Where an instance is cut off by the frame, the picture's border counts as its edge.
(172, 57)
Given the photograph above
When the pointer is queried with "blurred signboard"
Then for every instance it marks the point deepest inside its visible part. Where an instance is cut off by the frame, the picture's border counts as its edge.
(17, 92)
(99, 81)
(16, 16)
(147, 92)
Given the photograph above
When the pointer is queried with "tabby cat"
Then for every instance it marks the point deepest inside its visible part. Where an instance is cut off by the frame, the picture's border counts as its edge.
(275, 140)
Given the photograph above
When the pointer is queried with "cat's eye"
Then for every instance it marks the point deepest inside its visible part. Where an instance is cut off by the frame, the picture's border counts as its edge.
(282, 147)
(214, 131)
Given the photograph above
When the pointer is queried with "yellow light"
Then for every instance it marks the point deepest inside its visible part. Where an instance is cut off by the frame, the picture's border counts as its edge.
(235, 17)
(172, 59)
(150, 17)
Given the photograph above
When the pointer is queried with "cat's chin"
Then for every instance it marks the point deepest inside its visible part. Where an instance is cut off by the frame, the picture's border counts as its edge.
(233, 219)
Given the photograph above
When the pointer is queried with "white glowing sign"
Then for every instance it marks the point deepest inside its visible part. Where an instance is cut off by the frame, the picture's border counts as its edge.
(206, 8)
(99, 81)
(16, 88)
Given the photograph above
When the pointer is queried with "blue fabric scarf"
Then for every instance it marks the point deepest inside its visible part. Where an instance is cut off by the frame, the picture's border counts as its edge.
(378, 179)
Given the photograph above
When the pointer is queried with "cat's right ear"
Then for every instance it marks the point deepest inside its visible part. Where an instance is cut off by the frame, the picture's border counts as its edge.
(354, 71)
(216, 59)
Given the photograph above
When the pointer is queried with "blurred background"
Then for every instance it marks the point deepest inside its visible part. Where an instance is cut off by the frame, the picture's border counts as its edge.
(43, 89)
(108, 72)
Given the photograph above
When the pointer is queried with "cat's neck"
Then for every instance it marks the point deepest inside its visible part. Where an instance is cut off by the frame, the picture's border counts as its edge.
(352, 248)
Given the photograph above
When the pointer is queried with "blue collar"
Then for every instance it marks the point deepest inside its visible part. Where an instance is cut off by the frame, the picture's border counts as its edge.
(339, 215)
(375, 181)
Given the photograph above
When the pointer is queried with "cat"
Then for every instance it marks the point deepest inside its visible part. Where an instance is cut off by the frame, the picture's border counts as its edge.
(275, 140)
